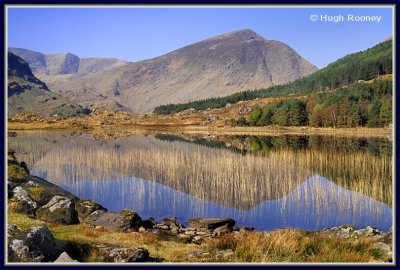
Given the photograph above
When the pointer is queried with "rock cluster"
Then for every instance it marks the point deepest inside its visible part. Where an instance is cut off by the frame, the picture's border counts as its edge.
(383, 241)
(198, 230)
(47, 202)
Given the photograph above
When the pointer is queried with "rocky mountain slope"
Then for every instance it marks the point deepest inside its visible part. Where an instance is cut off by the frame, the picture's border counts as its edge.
(214, 67)
(62, 64)
(26, 93)
(62, 69)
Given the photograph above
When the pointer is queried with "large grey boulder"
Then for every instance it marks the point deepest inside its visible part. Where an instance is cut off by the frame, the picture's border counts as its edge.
(35, 245)
(43, 191)
(211, 223)
(86, 207)
(108, 253)
(123, 221)
(59, 210)
(21, 202)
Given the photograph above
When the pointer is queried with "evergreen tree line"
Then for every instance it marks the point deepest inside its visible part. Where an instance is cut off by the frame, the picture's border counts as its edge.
(360, 104)
(364, 65)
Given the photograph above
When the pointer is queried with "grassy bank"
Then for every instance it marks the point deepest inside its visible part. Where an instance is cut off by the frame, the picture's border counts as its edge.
(278, 246)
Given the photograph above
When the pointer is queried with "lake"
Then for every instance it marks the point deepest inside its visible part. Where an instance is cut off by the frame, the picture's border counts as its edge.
(267, 182)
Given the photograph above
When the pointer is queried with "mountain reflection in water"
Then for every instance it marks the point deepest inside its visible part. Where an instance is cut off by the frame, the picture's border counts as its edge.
(302, 208)
(279, 188)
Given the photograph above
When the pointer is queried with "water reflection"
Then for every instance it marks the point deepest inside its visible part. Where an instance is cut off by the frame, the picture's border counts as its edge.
(303, 207)
(276, 189)
(373, 146)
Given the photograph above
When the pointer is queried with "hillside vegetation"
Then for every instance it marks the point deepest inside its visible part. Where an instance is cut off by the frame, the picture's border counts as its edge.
(364, 65)
(360, 104)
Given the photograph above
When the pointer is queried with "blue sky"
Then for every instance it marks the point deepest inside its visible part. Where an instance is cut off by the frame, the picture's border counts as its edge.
(135, 34)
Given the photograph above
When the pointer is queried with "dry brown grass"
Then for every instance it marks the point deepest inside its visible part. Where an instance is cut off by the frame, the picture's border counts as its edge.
(279, 246)
(92, 232)
(297, 246)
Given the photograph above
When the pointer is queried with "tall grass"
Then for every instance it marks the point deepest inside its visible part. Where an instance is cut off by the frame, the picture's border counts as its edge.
(296, 246)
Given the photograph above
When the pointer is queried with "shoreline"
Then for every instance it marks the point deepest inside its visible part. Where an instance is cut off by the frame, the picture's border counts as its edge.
(216, 130)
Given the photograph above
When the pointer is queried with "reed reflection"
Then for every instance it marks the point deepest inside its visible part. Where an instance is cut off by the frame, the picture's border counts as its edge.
(264, 189)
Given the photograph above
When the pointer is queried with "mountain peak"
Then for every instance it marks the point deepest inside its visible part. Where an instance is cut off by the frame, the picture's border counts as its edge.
(240, 35)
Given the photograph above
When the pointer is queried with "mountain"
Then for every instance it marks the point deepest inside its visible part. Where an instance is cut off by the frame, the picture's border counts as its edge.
(214, 67)
(26, 93)
(62, 69)
(364, 65)
(62, 64)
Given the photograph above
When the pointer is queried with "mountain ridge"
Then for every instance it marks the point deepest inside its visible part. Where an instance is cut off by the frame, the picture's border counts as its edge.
(213, 67)
(28, 94)
(39, 62)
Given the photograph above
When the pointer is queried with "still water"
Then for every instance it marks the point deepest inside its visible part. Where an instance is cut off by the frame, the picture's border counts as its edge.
(269, 182)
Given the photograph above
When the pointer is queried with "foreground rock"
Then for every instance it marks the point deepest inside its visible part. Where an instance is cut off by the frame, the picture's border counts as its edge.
(171, 224)
(348, 231)
(65, 258)
(21, 202)
(34, 245)
(27, 193)
(108, 253)
(123, 221)
(148, 223)
(211, 223)
(43, 191)
(86, 207)
(27, 197)
(59, 210)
